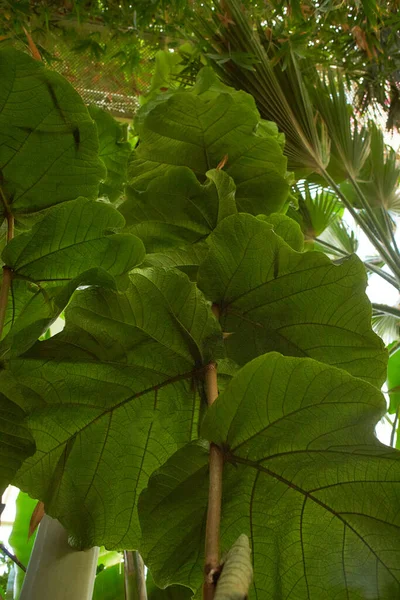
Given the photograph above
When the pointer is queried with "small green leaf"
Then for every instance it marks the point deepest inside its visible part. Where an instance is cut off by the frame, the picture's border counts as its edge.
(287, 229)
(301, 304)
(48, 142)
(109, 584)
(114, 151)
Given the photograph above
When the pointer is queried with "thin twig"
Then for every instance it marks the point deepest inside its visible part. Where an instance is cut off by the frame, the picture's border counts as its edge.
(394, 427)
(11, 556)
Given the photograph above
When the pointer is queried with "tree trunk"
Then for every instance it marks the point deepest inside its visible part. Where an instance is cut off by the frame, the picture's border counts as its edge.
(56, 571)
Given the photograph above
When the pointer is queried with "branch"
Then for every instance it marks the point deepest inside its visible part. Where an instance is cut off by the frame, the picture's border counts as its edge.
(15, 560)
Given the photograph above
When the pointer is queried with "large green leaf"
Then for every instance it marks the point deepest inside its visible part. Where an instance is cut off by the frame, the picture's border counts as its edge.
(198, 128)
(48, 142)
(301, 304)
(118, 388)
(305, 478)
(74, 244)
(176, 209)
(114, 151)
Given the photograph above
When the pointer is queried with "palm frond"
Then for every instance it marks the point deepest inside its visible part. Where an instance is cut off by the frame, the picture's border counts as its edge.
(340, 236)
(281, 96)
(350, 141)
(386, 326)
(318, 208)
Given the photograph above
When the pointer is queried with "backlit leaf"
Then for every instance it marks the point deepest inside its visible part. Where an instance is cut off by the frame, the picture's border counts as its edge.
(301, 304)
(117, 386)
(74, 244)
(305, 478)
(48, 142)
(197, 128)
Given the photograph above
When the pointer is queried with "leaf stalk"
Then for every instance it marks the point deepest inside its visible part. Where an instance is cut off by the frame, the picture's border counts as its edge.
(216, 464)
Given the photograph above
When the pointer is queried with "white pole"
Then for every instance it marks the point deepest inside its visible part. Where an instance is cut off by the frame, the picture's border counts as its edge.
(55, 570)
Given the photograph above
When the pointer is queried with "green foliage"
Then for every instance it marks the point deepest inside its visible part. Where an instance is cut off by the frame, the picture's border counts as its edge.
(73, 245)
(117, 404)
(114, 151)
(301, 304)
(198, 208)
(19, 541)
(198, 128)
(173, 592)
(302, 471)
(131, 360)
(48, 144)
(393, 381)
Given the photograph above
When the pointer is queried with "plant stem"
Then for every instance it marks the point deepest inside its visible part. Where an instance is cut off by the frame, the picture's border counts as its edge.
(7, 273)
(216, 464)
(15, 560)
(394, 427)
(135, 580)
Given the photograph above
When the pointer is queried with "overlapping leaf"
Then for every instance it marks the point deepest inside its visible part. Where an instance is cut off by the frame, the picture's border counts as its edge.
(114, 151)
(305, 479)
(301, 304)
(48, 142)
(174, 592)
(177, 210)
(111, 398)
(198, 129)
(16, 442)
(74, 244)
